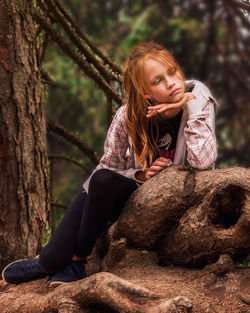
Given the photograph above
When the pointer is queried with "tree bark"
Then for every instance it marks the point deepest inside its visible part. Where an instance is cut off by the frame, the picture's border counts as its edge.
(189, 217)
(24, 192)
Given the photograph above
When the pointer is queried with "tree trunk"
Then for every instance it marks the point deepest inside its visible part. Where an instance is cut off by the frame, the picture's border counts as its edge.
(24, 188)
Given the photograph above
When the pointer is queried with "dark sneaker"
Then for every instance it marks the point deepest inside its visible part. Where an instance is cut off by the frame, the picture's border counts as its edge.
(21, 271)
(75, 270)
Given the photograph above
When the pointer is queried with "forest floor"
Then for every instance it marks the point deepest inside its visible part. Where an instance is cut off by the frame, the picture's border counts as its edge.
(208, 292)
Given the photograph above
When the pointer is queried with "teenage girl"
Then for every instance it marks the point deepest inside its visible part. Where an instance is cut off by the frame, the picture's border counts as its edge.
(165, 120)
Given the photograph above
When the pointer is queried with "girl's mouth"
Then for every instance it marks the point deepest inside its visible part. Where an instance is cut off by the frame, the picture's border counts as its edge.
(175, 92)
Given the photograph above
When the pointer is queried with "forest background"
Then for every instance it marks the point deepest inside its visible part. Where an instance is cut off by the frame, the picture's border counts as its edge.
(208, 39)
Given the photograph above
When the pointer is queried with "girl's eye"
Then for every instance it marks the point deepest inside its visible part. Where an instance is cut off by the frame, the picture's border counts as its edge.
(157, 81)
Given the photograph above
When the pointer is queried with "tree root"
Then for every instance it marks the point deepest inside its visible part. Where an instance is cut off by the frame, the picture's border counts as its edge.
(102, 288)
(189, 217)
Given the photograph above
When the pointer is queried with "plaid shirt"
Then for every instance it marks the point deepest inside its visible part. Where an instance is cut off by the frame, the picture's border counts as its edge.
(196, 141)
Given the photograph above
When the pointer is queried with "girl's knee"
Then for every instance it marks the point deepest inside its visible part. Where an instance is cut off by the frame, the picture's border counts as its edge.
(102, 177)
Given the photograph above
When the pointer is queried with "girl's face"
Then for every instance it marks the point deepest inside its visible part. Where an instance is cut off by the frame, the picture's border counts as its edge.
(164, 82)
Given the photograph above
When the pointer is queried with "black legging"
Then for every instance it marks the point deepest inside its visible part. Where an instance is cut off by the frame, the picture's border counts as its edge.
(86, 218)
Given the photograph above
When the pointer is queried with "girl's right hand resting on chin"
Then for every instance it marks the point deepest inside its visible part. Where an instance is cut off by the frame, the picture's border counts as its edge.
(163, 107)
(158, 165)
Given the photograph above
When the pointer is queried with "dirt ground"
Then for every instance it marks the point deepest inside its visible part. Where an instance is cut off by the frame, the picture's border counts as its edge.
(208, 292)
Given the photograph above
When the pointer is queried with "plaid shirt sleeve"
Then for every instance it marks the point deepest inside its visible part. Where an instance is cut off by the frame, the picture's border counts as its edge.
(116, 146)
(200, 138)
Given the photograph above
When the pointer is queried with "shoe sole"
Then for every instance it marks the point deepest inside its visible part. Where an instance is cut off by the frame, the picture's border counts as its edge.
(11, 264)
(56, 283)
(8, 266)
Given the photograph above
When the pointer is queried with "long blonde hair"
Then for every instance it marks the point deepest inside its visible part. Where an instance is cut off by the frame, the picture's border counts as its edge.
(139, 127)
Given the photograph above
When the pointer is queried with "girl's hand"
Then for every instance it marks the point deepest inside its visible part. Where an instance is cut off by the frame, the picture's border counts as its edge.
(158, 165)
(163, 107)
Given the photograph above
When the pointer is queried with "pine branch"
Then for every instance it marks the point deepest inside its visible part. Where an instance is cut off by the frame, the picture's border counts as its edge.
(70, 160)
(58, 205)
(42, 49)
(105, 58)
(69, 136)
(76, 57)
(47, 77)
(109, 76)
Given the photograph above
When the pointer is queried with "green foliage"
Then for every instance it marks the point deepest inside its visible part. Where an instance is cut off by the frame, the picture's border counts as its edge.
(141, 28)
(77, 104)
(46, 235)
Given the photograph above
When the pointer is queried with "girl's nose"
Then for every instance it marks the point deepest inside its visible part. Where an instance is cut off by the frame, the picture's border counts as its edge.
(169, 83)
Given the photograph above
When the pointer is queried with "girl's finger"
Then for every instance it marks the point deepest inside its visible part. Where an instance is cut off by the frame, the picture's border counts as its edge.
(163, 159)
(168, 106)
(176, 105)
(156, 107)
(152, 173)
(160, 163)
(150, 114)
(164, 105)
(155, 168)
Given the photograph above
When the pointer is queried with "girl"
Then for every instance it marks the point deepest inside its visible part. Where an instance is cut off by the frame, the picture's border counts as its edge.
(166, 120)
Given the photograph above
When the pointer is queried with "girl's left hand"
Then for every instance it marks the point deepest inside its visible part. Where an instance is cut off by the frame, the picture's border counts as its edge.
(163, 107)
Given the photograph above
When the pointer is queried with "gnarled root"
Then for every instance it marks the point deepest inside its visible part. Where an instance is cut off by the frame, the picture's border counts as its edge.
(102, 288)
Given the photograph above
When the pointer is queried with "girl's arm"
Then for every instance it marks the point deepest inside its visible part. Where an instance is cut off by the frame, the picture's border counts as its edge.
(200, 129)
